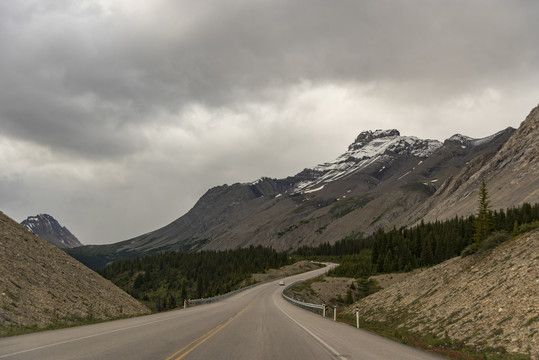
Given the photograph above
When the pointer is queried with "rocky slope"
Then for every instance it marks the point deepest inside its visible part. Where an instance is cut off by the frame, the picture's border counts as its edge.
(512, 177)
(47, 228)
(490, 298)
(40, 285)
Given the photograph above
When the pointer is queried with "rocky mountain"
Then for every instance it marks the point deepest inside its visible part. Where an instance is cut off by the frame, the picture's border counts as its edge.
(41, 285)
(487, 299)
(47, 228)
(511, 175)
(383, 180)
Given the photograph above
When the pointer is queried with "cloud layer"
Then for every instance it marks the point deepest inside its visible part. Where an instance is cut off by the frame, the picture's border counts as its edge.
(116, 116)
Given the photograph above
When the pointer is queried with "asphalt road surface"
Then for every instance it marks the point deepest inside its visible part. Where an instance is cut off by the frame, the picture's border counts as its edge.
(254, 324)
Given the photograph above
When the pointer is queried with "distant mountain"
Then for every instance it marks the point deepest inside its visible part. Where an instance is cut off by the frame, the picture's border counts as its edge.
(41, 285)
(382, 177)
(47, 228)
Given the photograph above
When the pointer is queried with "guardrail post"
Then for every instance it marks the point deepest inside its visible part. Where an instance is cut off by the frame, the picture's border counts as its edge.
(324, 310)
(357, 317)
(334, 312)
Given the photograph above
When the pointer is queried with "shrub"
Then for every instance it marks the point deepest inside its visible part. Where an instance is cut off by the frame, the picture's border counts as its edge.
(492, 241)
(495, 239)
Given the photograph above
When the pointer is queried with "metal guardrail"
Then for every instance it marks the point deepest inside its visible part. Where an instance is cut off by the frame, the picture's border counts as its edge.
(315, 308)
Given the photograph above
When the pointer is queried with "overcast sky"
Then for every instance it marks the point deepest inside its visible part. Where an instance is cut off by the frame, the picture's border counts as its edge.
(116, 116)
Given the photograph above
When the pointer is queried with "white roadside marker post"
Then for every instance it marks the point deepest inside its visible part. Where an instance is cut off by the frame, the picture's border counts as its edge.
(357, 317)
(334, 312)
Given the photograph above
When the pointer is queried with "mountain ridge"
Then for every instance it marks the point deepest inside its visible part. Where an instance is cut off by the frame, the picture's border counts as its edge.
(382, 180)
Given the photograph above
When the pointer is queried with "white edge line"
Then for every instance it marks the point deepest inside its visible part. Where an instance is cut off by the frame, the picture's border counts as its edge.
(326, 345)
(85, 337)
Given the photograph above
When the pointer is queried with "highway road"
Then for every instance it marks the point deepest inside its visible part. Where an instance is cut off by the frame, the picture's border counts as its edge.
(254, 324)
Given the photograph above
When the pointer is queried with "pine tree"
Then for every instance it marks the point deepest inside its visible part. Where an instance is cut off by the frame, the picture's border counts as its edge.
(349, 297)
(427, 258)
(483, 220)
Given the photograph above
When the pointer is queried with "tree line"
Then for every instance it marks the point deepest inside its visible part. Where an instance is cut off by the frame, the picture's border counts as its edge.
(423, 245)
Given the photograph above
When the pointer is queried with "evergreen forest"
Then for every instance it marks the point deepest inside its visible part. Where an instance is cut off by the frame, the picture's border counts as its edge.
(163, 280)
(423, 245)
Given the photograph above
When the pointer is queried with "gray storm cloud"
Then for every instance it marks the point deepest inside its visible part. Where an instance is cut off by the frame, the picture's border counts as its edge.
(74, 70)
(114, 88)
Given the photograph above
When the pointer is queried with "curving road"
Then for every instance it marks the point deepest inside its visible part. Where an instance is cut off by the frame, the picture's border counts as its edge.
(254, 324)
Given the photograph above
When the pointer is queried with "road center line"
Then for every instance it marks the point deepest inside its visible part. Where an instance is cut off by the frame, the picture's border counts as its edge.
(196, 343)
(208, 334)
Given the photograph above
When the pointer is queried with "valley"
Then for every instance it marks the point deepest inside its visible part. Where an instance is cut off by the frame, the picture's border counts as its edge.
(389, 203)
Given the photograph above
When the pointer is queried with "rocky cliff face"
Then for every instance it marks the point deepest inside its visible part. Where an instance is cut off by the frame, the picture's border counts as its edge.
(47, 228)
(487, 298)
(41, 285)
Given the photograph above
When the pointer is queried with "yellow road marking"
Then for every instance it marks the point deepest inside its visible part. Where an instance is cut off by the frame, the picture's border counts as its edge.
(184, 351)
(194, 341)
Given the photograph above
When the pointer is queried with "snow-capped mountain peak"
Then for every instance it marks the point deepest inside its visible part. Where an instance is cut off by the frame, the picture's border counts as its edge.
(371, 148)
(367, 137)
